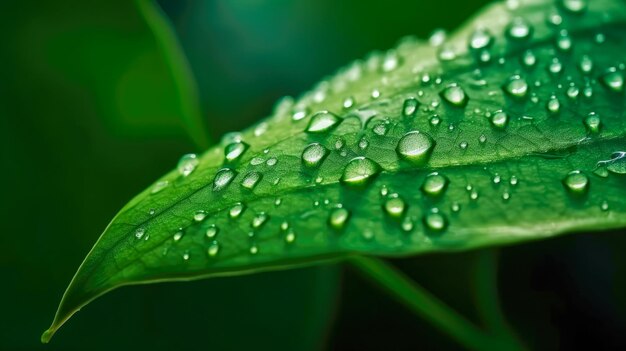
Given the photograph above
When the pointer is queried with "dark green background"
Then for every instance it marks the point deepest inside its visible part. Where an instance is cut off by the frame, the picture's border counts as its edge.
(88, 119)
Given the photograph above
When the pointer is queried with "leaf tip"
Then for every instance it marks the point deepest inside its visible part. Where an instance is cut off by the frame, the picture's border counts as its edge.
(47, 335)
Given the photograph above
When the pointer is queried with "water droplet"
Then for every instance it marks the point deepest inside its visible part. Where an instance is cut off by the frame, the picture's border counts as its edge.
(380, 129)
(251, 180)
(604, 206)
(234, 150)
(415, 147)
(186, 255)
(482, 139)
(435, 221)
(555, 66)
(513, 180)
(236, 210)
(434, 120)
(152, 212)
(574, 6)
(463, 145)
(314, 154)
(473, 195)
(179, 235)
(391, 61)
(592, 122)
(290, 237)
(254, 249)
(506, 196)
(211, 231)
(187, 164)
(348, 102)
(259, 220)
(271, 161)
(363, 144)
(553, 105)
(214, 249)
(563, 41)
(499, 119)
(613, 80)
(394, 206)
(409, 107)
(299, 114)
(519, 29)
(516, 87)
(585, 64)
(480, 39)
(454, 95)
(199, 216)
(160, 185)
(322, 122)
(455, 207)
(223, 177)
(338, 218)
(375, 94)
(140, 232)
(359, 171)
(435, 184)
(528, 58)
(576, 182)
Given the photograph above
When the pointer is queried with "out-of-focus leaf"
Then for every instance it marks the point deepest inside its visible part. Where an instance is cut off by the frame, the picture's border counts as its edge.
(511, 130)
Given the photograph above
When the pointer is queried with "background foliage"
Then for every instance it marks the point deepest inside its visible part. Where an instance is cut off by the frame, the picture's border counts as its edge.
(90, 116)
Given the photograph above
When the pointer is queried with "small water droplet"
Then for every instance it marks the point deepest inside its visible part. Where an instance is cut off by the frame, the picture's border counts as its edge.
(574, 6)
(179, 235)
(259, 220)
(553, 105)
(415, 147)
(214, 249)
(322, 122)
(513, 181)
(585, 64)
(359, 171)
(380, 129)
(435, 184)
(455, 207)
(604, 206)
(223, 177)
(499, 119)
(348, 102)
(528, 58)
(271, 161)
(140, 232)
(186, 255)
(254, 249)
(212, 231)
(563, 41)
(187, 164)
(160, 185)
(613, 80)
(299, 114)
(394, 206)
(290, 237)
(251, 180)
(592, 122)
(409, 107)
(363, 144)
(338, 218)
(519, 29)
(199, 216)
(454, 95)
(234, 150)
(480, 39)
(516, 86)
(435, 221)
(236, 210)
(576, 182)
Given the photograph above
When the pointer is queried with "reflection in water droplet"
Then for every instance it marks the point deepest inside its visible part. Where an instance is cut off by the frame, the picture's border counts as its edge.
(359, 171)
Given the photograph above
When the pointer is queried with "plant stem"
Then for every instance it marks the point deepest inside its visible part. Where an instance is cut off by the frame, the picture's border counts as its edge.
(176, 61)
(485, 279)
(427, 306)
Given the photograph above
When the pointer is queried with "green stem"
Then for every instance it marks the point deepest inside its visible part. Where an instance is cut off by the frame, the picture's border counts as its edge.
(176, 61)
(487, 299)
(427, 306)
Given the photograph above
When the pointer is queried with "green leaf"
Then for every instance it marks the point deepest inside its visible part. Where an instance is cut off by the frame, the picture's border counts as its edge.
(508, 131)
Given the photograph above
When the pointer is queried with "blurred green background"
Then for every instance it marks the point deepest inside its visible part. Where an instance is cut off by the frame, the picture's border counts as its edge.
(92, 112)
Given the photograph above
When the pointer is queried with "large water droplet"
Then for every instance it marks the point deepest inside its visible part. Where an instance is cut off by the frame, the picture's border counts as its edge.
(313, 155)
(251, 180)
(359, 171)
(576, 182)
(234, 150)
(223, 177)
(338, 218)
(415, 147)
(516, 87)
(454, 95)
(394, 206)
(434, 184)
(187, 164)
(322, 122)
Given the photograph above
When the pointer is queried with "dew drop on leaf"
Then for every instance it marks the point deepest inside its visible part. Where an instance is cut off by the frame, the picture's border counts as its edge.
(394, 206)
(159, 186)
(613, 80)
(435, 184)
(435, 221)
(519, 29)
(592, 122)
(454, 95)
(212, 231)
(251, 180)
(499, 119)
(322, 122)
(223, 177)
(409, 107)
(199, 216)
(234, 150)
(187, 164)
(214, 249)
(480, 39)
(179, 235)
(139, 233)
(516, 86)
(574, 6)
(359, 171)
(236, 210)
(576, 182)
(338, 218)
(259, 220)
(416, 147)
